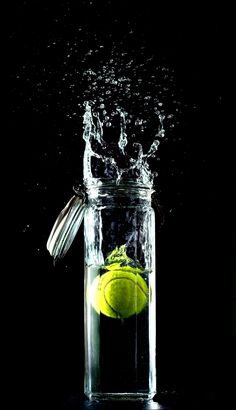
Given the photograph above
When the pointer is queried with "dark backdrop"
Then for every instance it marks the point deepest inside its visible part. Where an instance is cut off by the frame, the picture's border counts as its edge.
(192, 278)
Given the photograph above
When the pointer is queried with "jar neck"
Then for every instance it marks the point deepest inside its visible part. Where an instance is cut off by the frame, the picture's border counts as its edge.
(124, 194)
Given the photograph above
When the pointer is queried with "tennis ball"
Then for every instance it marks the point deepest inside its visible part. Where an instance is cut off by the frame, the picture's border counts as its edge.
(119, 294)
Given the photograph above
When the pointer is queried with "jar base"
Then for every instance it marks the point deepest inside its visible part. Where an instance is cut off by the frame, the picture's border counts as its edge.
(95, 396)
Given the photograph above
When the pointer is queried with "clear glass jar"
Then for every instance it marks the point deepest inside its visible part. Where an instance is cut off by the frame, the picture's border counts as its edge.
(119, 298)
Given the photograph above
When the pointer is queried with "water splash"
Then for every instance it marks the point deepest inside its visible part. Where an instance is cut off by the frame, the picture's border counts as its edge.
(132, 97)
(136, 169)
(130, 107)
(123, 136)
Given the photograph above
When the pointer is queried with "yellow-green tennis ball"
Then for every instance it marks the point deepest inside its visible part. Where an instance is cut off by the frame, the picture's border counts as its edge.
(94, 293)
(119, 294)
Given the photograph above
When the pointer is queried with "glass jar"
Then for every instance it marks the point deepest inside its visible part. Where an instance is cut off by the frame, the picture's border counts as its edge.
(119, 292)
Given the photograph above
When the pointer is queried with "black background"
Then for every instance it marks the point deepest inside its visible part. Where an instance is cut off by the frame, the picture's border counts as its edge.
(192, 280)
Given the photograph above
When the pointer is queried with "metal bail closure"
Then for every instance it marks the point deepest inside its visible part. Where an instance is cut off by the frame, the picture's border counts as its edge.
(66, 226)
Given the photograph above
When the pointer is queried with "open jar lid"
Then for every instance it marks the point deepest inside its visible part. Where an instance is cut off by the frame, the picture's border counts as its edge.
(66, 226)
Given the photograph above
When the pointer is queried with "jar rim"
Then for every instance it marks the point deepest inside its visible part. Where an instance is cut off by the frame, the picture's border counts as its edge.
(112, 183)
